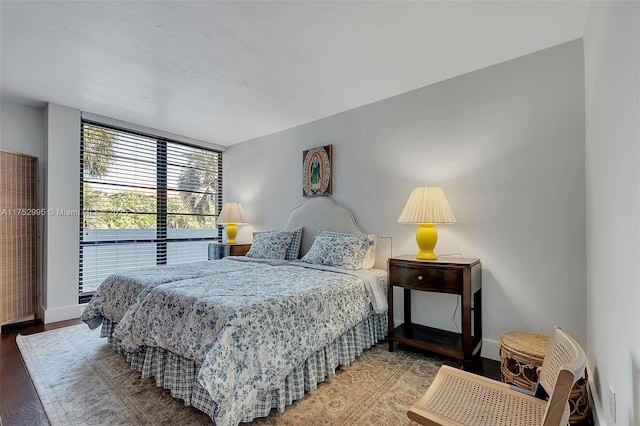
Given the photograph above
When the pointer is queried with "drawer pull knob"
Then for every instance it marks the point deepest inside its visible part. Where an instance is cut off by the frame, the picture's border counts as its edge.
(419, 277)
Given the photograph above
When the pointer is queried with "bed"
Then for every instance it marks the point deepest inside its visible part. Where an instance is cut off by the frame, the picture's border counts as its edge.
(120, 291)
(239, 343)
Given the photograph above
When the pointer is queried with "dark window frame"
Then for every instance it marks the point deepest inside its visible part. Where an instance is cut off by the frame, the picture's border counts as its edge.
(161, 240)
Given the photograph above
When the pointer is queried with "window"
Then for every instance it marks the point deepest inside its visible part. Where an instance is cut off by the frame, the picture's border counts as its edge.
(144, 201)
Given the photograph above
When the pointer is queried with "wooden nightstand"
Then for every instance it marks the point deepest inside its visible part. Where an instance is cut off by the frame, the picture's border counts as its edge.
(220, 250)
(462, 277)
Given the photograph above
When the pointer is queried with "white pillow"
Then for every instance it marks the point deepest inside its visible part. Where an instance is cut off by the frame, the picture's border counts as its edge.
(370, 257)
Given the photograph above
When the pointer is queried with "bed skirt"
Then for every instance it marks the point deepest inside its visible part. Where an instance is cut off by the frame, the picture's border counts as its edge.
(179, 375)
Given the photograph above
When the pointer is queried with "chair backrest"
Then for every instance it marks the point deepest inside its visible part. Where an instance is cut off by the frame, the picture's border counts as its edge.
(562, 367)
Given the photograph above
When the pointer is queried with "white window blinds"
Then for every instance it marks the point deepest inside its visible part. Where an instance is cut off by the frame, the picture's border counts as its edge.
(144, 201)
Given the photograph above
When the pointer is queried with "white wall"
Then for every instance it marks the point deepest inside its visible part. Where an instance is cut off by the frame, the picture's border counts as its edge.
(22, 130)
(53, 135)
(612, 69)
(507, 145)
(62, 194)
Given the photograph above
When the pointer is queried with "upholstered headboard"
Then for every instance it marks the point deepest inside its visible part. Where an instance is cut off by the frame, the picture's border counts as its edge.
(323, 213)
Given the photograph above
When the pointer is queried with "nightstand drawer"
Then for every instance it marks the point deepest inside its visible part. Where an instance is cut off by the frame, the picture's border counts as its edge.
(448, 280)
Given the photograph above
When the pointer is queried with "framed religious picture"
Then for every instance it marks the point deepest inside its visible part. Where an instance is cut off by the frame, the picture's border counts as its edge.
(317, 176)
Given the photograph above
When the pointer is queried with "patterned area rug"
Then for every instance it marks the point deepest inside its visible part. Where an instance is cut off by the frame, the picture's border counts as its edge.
(82, 381)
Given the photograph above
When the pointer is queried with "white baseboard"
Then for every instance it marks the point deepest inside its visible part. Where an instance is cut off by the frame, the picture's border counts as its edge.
(490, 349)
(63, 313)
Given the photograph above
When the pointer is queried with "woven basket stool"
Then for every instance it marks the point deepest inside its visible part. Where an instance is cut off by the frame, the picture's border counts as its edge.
(521, 354)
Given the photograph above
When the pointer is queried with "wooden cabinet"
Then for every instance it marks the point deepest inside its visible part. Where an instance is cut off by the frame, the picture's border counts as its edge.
(461, 277)
(220, 250)
(19, 220)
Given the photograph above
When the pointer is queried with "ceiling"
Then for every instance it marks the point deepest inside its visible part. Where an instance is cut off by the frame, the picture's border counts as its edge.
(226, 72)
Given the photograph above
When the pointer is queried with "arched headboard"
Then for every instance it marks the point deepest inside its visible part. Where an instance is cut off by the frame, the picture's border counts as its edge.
(323, 213)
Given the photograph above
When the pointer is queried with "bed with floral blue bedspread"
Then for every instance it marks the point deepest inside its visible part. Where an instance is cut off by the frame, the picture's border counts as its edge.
(236, 338)
(239, 336)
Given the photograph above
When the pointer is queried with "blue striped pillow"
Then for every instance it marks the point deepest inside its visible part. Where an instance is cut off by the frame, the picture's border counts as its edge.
(293, 251)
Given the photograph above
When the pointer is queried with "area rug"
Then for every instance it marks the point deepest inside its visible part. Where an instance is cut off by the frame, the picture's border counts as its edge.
(82, 381)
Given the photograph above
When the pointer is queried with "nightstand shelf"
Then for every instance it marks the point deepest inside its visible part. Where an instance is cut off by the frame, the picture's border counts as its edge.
(430, 339)
(461, 277)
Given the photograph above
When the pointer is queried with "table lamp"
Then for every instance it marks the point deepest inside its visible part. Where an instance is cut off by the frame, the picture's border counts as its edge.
(427, 206)
(232, 215)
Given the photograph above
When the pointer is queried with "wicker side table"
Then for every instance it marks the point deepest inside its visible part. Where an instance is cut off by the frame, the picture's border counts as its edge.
(521, 354)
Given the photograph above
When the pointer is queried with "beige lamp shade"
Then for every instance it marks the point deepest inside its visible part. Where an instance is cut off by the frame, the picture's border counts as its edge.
(232, 213)
(427, 204)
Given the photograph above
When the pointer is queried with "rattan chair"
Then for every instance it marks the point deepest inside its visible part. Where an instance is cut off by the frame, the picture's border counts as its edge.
(458, 397)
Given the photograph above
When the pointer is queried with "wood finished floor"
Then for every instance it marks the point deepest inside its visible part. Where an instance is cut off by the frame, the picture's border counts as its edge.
(19, 402)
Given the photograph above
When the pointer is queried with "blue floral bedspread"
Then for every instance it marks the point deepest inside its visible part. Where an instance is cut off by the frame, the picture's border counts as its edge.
(247, 329)
(120, 291)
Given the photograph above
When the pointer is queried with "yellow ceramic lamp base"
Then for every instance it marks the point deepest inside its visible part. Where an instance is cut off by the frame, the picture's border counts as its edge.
(232, 232)
(426, 237)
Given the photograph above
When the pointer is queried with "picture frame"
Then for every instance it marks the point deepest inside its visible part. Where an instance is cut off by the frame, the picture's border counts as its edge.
(317, 171)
